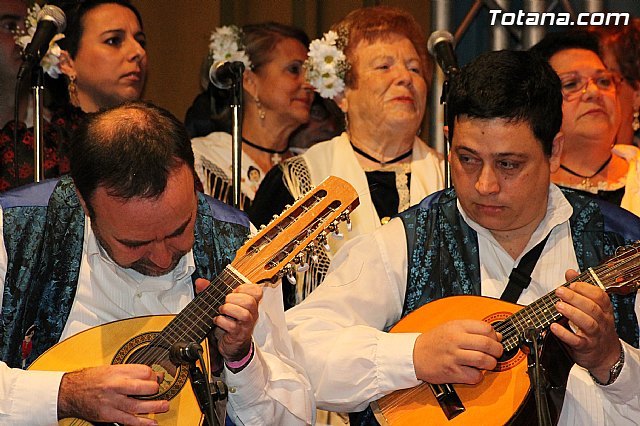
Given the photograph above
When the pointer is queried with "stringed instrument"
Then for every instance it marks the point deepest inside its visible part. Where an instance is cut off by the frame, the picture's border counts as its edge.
(504, 392)
(276, 250)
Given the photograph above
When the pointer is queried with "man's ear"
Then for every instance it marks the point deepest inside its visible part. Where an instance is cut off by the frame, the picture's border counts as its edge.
(82, 203)
(556, 152)
(445, 130)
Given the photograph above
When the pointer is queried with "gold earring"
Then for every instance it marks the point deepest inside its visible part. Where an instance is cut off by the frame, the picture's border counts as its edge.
(635, 124)
(73, 91)
(261, 112)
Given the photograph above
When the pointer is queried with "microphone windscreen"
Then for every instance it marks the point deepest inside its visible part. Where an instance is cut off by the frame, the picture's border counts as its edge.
(53, 14)
(437, 37)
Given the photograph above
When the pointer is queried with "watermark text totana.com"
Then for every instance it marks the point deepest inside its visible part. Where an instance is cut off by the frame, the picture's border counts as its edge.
(500, 17)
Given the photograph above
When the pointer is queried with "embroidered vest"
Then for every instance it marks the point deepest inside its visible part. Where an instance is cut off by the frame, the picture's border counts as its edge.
(443, 257)
(43, 236)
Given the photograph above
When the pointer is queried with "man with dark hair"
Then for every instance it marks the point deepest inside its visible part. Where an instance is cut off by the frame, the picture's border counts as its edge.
(127, 235)
(506, 111)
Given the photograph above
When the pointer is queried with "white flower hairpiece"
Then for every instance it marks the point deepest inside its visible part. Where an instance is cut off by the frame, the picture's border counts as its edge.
(326, 64)
(50, 62)
(226, 46)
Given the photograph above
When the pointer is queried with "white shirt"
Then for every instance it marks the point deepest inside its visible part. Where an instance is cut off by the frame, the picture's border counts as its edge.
(337, 334)
(213, 160)
(272, 389)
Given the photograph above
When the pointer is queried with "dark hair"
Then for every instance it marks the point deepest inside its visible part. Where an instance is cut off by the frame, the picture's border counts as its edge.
(129, 150)
(624, 43)
(260, 40)
(553, 43)
(517, 86)
(210, 110)
(75, 12)
(378, 23)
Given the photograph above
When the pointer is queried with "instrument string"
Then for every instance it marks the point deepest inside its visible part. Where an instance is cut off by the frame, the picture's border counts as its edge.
(542, 312)
(197, 317)
(195, 321)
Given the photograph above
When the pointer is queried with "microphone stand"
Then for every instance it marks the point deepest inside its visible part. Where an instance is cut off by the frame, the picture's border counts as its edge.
(443, 102)
(199, 380)
(236, 137)
(529, 342)
(37, 85)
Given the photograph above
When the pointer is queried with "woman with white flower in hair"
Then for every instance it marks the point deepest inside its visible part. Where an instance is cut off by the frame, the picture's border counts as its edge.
(375, 65)
(276, 101)
(98, 62)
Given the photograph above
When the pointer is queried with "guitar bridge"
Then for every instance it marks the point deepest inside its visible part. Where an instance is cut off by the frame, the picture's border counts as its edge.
(448, 400)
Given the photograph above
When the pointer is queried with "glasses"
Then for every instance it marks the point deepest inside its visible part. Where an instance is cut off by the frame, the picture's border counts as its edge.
(574, 84)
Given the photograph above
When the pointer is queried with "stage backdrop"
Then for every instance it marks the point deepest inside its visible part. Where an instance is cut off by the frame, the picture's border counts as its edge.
(178, 32)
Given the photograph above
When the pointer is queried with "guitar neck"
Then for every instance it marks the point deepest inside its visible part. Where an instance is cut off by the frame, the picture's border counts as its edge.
(195, 321)
(612, 276)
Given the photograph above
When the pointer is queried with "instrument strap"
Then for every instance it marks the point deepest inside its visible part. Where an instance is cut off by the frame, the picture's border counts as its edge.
(520, 276)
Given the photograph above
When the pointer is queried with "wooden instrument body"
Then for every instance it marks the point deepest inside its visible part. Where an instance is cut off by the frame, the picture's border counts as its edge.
(503, 396)
(276, 248)
(114, 343)
(501, 392)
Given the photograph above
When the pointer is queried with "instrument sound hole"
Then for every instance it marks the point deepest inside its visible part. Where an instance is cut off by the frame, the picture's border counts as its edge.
(507, 355)
(141, 350)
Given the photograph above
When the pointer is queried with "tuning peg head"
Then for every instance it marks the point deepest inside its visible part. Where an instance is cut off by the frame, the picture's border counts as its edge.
(302, 264)
(291, 276)
(322, 239)
(335, 230)
(346, 218)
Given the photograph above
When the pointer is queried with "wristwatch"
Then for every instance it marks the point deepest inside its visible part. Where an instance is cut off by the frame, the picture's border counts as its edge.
(614, 372)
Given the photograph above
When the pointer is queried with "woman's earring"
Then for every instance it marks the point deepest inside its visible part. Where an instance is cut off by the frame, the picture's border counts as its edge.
(73, 91)
(261, 112)
(635, 124)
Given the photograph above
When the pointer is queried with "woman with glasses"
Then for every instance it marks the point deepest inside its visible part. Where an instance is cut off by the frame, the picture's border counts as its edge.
(590, 162)
(620, 51)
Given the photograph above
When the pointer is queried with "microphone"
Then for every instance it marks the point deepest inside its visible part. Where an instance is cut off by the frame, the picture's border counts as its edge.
(224, 75)
(441, 44)
(185, 353)
(51, 21)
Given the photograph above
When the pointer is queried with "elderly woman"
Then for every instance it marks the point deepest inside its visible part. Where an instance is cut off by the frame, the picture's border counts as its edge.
(590, 123)
(620, 46)
(276, 102)
(104, 63)
(384, 102)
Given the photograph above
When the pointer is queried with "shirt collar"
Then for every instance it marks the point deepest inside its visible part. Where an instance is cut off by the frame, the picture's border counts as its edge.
(558, 211)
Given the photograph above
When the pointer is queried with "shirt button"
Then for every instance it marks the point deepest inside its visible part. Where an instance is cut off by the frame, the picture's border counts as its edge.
(232, 389)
